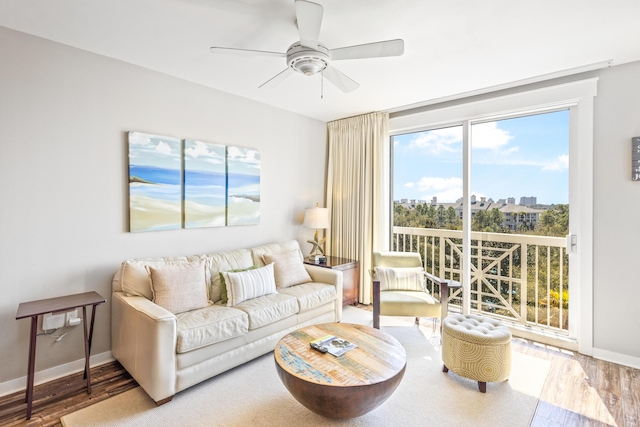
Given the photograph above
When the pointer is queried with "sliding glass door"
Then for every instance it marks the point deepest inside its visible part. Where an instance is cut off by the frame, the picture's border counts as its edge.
(486, 202)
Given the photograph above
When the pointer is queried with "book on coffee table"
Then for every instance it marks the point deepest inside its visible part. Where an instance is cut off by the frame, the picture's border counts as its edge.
(332, 344)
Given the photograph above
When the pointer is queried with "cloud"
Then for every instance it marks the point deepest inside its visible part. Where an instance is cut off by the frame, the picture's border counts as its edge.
(248, 157)
(489, 136)
(561, 163)
(485, 136)
(163, 148)
(445, 189)
(137, 138)
(201, 151)
(438, 141)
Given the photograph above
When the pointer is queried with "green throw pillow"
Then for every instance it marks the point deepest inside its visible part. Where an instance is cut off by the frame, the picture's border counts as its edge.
(223, 285)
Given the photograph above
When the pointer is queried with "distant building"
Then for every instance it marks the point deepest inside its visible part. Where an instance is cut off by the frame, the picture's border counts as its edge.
(528, 201)
(514, 215)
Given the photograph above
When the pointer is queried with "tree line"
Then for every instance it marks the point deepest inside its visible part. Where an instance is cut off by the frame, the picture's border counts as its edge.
(553, 221)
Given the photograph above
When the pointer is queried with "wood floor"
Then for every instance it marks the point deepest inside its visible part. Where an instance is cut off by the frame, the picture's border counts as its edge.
(579, 391)
(64, 396)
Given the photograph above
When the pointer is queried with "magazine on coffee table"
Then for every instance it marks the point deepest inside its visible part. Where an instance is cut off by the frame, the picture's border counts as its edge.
(332, 344)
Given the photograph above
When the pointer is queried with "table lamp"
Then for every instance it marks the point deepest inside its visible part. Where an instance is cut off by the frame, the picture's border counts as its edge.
(317, 218)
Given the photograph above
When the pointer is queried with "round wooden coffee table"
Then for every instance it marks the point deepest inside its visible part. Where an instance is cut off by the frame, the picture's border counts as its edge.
(340, 387)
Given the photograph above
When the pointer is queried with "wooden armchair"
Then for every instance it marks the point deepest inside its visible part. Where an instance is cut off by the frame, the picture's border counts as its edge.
(403, 292)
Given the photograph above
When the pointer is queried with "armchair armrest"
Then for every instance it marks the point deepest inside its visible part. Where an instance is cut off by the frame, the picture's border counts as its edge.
(375, 283)
(445, 285)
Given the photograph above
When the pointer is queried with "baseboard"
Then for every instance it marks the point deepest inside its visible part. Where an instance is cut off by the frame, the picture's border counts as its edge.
(20, 384)
(620, 359)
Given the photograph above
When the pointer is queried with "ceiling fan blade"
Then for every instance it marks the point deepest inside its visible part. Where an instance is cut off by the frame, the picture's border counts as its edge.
(339, 79)
(309, 17)
(234, 51)
(277, 79)
(369, 50)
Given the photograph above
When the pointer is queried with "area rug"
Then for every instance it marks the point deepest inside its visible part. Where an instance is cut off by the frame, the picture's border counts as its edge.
(252, 394)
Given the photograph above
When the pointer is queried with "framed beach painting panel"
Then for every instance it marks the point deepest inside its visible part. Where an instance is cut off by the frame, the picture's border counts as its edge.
(155, 190)
(204, 184)
(243, 186)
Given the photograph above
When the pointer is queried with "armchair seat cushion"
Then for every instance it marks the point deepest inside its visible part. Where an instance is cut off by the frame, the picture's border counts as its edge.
(209, 325)
(409, 303)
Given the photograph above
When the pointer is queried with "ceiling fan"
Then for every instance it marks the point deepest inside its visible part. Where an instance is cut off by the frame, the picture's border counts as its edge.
(309, 57)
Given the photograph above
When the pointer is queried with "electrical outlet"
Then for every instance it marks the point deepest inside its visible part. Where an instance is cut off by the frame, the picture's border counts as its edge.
(72, 318)
(53, 321)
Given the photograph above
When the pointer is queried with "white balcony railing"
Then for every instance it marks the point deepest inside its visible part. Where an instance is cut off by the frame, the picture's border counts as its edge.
(515, 277)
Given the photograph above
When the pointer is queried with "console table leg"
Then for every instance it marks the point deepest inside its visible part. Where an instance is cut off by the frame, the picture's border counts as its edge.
(87, 372)
(32, 365)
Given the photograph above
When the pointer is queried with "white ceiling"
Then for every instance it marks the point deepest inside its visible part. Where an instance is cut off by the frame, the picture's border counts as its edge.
(451, 46)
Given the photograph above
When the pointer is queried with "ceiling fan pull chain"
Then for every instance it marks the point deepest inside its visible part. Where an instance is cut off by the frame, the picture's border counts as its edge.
(322, 84)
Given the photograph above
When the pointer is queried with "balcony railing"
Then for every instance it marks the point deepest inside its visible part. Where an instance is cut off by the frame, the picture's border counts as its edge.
(518, 278)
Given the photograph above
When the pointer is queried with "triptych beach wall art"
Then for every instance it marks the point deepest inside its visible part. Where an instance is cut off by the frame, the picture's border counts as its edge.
(155, 175)
(205, 188)
(191, 185)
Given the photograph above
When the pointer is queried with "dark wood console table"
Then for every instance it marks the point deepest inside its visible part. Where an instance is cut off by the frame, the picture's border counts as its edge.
(34, 309)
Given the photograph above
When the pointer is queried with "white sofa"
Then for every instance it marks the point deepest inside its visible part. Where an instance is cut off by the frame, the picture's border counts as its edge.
(166, 352)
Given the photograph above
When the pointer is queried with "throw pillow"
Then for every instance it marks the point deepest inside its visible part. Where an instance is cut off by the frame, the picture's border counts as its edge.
(223, 285)
(288, 269)
(401, 279)
(246, 285)
(179, 288)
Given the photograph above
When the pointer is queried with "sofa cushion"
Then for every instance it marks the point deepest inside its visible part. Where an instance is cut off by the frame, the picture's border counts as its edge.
(209, 325)
(225, 261)
(401, 279)
(288, 268)
(311, 295)
(268, 309)
(224, 297)
(249, 284)
(274, 248)
(179, 288)
(134, 278)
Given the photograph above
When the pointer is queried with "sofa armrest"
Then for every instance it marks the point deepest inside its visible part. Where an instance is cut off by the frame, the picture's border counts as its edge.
(143, 340)
(331, 277)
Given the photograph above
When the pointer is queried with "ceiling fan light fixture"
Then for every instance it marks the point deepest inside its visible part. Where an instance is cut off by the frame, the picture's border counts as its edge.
(308, 61)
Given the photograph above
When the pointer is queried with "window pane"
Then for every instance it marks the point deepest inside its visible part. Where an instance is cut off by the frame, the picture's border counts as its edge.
(520, 170)
(427, 179)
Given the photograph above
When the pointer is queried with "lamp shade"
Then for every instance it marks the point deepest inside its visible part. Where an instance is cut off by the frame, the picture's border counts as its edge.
(316, 218)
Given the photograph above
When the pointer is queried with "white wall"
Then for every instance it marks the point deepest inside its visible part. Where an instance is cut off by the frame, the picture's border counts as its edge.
(64, 114)
(616, 212)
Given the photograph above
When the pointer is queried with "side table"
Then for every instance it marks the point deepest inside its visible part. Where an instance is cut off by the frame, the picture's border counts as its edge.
(350, 276)
(37, 308)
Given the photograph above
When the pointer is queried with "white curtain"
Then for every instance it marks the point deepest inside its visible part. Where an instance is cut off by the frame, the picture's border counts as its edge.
(357, 191)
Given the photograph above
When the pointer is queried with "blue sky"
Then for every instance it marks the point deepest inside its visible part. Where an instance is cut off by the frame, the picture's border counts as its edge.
(525, 156)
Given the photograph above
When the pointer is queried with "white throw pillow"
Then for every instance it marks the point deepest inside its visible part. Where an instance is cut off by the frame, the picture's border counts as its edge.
(179, 288)
(401, 279)
(289, 269)
(245, 285)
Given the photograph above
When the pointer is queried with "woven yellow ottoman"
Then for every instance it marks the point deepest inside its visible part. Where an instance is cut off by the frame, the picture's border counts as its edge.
(477, 348)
